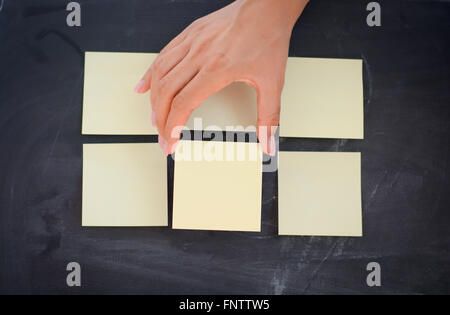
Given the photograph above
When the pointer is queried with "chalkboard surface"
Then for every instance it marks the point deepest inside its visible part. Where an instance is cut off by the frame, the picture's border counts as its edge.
(405, 156)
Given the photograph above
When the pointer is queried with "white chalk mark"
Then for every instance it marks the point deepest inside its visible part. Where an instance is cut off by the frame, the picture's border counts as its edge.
(369, 76)
(319, 266)
(279, 280)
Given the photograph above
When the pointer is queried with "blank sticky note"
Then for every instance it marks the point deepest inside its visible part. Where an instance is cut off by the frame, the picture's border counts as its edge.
(319, 193)
(217, 186)
(322, 98)
(110, 105)
(124, 185)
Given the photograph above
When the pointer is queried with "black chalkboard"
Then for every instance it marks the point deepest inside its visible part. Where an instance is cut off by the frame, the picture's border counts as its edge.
(405, 155)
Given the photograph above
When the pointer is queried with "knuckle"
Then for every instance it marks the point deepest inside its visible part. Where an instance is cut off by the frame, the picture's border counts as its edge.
(269, 119)
(164, 84)
(183, 103)
(199, 46)
(197, 24)
(274, 119)
(194, 24)
(179, 102)
(157, 64)
(219, 61)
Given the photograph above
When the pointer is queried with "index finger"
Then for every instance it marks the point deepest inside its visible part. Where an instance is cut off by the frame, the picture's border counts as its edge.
(190, 97)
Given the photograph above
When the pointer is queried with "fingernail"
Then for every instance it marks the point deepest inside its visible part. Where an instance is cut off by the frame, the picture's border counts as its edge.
(173, 148)
(153, 119)
(162, 143)
(167, 148)
(164, 146)
(272, 146)
(139, 86)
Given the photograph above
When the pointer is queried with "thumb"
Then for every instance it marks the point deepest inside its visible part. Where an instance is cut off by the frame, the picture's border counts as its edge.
(269, 100)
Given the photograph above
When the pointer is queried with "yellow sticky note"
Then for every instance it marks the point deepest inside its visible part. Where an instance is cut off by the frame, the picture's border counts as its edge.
(322, 98)
(110, 105)
(217, 186)
(124, 185)
(319, 193)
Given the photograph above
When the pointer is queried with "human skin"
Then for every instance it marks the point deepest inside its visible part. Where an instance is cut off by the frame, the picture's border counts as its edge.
(246, 41)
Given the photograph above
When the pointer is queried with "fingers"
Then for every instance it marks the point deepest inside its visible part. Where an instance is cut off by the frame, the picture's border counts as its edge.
(145, 83)
(269, 100)
(168, 88)
(191, 96)
(175, 41)
(160, 67)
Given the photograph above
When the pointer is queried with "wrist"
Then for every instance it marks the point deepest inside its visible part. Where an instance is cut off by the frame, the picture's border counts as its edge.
(285, 11)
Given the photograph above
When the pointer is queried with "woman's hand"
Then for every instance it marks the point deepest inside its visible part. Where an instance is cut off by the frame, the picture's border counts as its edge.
(247, 41)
